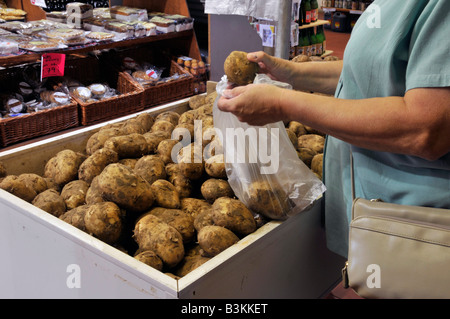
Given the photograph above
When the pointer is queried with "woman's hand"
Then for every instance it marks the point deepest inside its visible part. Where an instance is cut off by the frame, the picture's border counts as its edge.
(277, 69)
(255, 104)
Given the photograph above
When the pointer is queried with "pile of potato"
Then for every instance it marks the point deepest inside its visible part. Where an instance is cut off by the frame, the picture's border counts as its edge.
(126, 190)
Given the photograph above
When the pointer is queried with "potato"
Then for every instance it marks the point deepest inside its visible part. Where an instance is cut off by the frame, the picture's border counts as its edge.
(151, 233)
(292, 138)
(121, 185)
(202, 219)
(212, 149)
(163, 125)
(211, 97)
(95, 164)
(297, 127)
(213, 188)
(301, 58)
(94, 193)
(63, 167)
(98, 139)
(104, 221)
(164, 150)
(179, 220)
(12, 184)
(233, 215)
(194, 206)
(187, 117)
(311, 130)
(146, 120)
(190, 160)
(239, 70)
(215, 166)
(268, 200)
(215, 239)
(182, 184)
(312, 141)
(183, 132)
(74, 193)
(306, 155)
(150, 168)
(128, 146)
(317, 165)
(75, 217)
(196, 101)
(130, 162)
(154, 138)
(34, 181)
(50, 201)
(131, 126)
(170, 116)
(150, 258)
(165, 194)
(192, 260)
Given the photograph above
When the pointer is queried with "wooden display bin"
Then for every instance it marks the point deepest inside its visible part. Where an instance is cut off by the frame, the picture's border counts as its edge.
(44, 257)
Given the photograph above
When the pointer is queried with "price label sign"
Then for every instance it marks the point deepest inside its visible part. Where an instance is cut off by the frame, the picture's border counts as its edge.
(52, 64)
(39, 3)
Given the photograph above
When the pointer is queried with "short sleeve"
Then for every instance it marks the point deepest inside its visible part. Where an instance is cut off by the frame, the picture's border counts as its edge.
(429, 57)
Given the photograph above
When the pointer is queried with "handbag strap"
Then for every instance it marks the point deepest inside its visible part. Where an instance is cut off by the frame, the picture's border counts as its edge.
(352, 175)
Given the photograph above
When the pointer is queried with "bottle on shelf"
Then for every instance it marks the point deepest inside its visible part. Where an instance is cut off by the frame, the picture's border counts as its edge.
(306, 43)
(313, 41)
(300, 49)
(321, 40)
(314, 10)
(307, 12)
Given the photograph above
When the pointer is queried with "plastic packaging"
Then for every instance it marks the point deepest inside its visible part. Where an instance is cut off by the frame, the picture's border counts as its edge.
(262, 165)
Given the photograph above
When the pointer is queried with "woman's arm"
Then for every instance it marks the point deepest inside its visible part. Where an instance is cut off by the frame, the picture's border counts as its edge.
(417, 124)
(321, 77)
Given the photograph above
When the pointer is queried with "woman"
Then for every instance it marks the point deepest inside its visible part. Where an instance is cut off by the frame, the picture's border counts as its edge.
(391, 107)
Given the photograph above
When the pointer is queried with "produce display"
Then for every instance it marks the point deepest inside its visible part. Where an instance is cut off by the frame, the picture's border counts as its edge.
(132, 188)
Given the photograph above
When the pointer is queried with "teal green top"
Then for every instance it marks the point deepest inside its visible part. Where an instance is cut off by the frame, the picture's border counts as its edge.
(394, 47)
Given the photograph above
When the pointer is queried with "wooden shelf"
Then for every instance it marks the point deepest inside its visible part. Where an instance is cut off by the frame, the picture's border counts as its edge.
(35, 57)
(314, 24)
(186, 39)
(342, 10)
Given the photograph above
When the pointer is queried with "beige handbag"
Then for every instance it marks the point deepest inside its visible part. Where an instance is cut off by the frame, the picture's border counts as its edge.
(398, 251)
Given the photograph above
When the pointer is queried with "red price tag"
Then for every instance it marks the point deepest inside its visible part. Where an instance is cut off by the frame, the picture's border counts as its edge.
(52, 64)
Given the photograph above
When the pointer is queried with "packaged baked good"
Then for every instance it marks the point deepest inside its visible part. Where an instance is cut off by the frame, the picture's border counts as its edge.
(150, 28)
(57, 16)
(120, 30)
(163, 25)
(94, 24)
(39, 46)
(100, 36)
(60, 98)
(98, 90)
(64, 33)
(8, 47)
(128, 13)
(82, 93)
(15, 26)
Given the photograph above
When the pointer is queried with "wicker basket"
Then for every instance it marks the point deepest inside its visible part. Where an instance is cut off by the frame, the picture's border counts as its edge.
(25, 127)
(166, 92)
(32, 125)
(129, 101)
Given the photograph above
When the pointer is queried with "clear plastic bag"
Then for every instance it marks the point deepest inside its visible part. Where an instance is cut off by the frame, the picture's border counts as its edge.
(262, 166)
